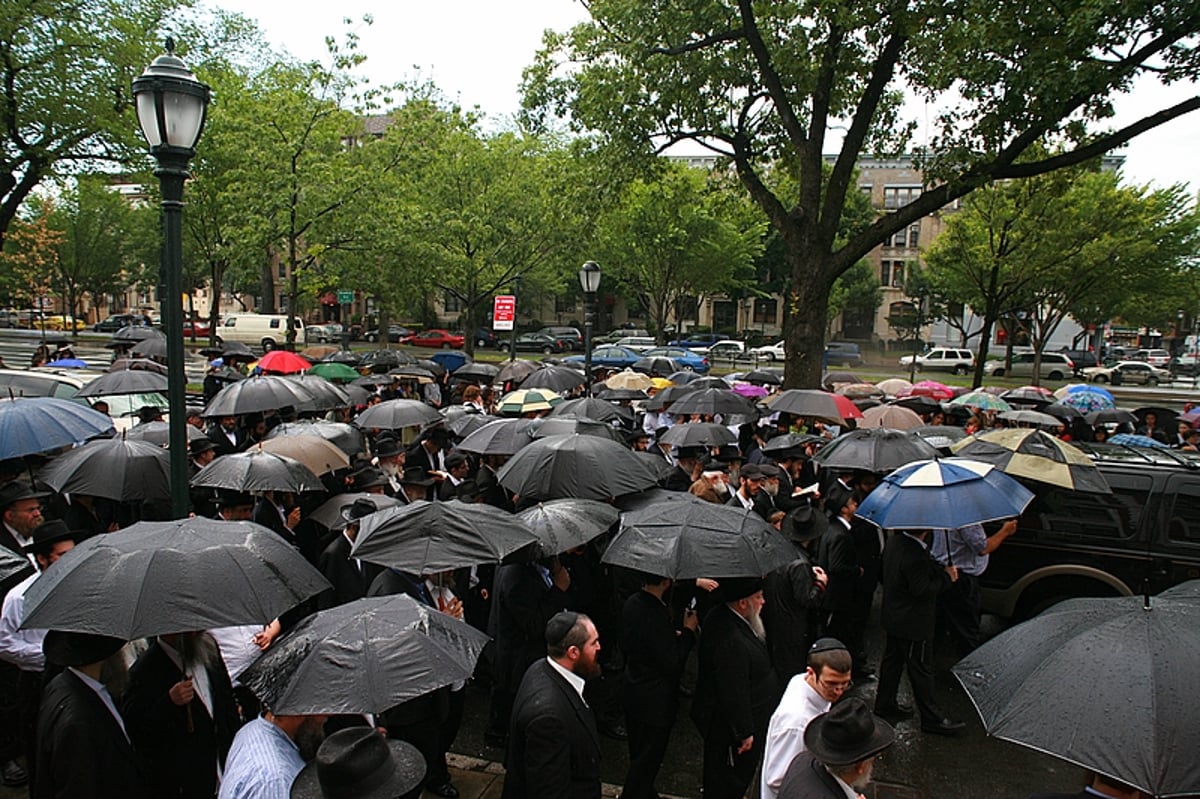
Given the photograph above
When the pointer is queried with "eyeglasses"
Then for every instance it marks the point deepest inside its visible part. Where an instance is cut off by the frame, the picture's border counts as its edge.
(836, 687)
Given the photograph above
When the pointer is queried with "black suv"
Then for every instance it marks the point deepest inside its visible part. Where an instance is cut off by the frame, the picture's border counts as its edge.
(570, 337)
(1144, 536)
(1083, 359)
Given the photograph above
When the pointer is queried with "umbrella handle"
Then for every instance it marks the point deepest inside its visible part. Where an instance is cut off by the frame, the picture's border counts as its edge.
(191, 727)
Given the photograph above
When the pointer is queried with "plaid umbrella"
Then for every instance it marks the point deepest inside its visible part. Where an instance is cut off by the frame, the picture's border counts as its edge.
(1131, 440)
(1035, 455)
(518, 403)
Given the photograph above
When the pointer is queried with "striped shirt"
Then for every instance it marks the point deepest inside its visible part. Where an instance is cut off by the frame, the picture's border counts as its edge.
(263, 761)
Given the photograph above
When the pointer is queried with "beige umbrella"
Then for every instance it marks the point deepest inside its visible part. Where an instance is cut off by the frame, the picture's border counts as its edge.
(318, 454)
(895, 417)
(893, 386)
(630, 379)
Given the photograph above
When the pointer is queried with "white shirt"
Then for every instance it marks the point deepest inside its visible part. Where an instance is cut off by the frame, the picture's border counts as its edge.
(574, 679)
(237, 646)
(22, 542)
(785, 733)
(22, 648)
(747, 502)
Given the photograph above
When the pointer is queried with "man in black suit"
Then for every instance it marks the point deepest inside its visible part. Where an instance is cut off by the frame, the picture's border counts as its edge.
(655, 654)
(349, 577)
(20, 514)
(737, 689)
(181, 714)
(836, 556)
(684, 474)
(912, 580)
(226, 436)
(793, 595)
(840, 750)
(554, 747)
(83, 751)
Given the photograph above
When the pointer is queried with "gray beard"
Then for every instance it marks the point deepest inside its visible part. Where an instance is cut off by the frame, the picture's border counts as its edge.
(756, 624)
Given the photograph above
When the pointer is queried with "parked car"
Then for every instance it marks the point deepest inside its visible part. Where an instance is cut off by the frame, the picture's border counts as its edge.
(698, 340)
(114, 322)
(942, 359)
(770, 352)
(486, 337)
(727, 350)
(266, 330)
(328, 333)
(1083, 359)
(689, 361)
(534, 342)
(570, 336)
(1055, 366)
(843, 353)
(395, 333)
(435, 339)
(201, 327)
(64, 322)
(1128, 372)
(613, 336)
(637, 343)
(609, 355)
(48, 381)
(9, 318)
(1188, 365)
(1153, 357)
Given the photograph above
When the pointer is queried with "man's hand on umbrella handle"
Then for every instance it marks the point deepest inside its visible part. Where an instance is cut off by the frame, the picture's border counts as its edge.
(820, 576)
(561, 577)
(953, 572)
(266, 636)
(293, 518)
(745, 745)
(182, 692)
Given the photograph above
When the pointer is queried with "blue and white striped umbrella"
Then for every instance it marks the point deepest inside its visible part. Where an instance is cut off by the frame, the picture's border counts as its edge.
(944, 493)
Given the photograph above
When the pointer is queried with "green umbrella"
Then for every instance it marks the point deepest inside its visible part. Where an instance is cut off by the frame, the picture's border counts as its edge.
(336, 372)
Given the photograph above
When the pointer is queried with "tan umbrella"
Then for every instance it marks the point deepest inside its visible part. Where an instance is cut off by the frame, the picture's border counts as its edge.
(318, 352)
(895, 417)
(631, 380)
(893, 386)
(318, 454)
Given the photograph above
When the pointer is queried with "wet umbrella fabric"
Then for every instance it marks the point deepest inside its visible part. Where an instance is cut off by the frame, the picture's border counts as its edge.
(1111, 416)
(592, 408)
(322, 395)
(318, 454)
(258, 395)
(1037, 456)
(563, 524)
(153, 578)
(788, 441)
(685, 540)
(135, 333)
(944, 493)
(159, 433)
(630, 380)
(13, 569)
(515, 371)
(555, 378)
(124, 382)
(139, 364)
(808, 403)
(894, 387)
(1121, 709)
(518, 403)
(338, 372)
(257, 470)
(891, 416)
(698, 434)
(329, 514)
(464, 424)
(499, 437)
(475, 370)
(710, 401)
(317, 352)
(150, 348)
(345, 437)
(874, 449)
(382, 360)
(396, 414)
(429, 537)
(653, 496)
(29, 425)
(113, 468)
(364, 657)
(566, 425)
(584, 467)
(655, 366)
(236, 350)
(283, 362)
(1131, 440)
(1087, 401)
(1060, 411)
(1028, 395)
(1026, 416)
(940, 436)
(982, 400)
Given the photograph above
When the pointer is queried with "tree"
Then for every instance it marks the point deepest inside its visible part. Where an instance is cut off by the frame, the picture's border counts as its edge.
(28, 257)
(761, 84)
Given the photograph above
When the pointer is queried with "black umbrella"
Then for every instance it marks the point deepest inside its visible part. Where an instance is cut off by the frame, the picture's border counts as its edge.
(396, 414)
(475, 370)
(566, 425)
(698, 434)
(874, 449)
(683, 377)
(761, 377)
(791, 441)
(583, 467)
(382, 379)
(1098, 682)
(1166, 416)
(364, 657)
(29, 425)
(515, 371)
(656, 366)
(592, 408)
(237, 351)
(705, 382)
(430, 537)
(257, 470)
(556, 378)
(342, 356)
(138, 364)
(653, 496)
(347, 438)
(919, 404)
(500, 437)
(150, 348)
(136, 333)
(808, 403)
(382, 360)
(684, 540)
(258, 395)
(1027, 396)
(939, 436)
(322, 395)
(113, 468)
(411, 372)
(433, 367)
(616, 394)
(831, 379)
(329, 514)
(13, 569)
(159, 433)
(1064, 412)
(153, 578)
(1111, 416)
(714, 400)
(464, 424)
(564, 524)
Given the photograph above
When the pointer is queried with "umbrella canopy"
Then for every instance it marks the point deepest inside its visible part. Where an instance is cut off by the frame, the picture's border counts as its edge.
(319, 351)
(566, 425)
(629, 379)
(846, 407)
(137, 381)
(382, 360)
(258, 395)
(412, 372)
(698, 434)
(1060, 411)
(750, 391)
(1035, 455)
(1166, 416)
(318, 454)
(833, 379)
(710, 401)
(685, 540)
(29, 425)
(982, 400)
(1075, 388)
(150, 348)
(257, 470)
(237, 351)
(1131, 440)
(944, 493)
(113, 468)
(515, 371)
(918, 405)
(342, 356)
(159, 433)
(1028, 395)
(940, 436)
(656, 366)
(518, 403)
(791, 441)
(931, 389)
(1029, 417)
(139, 364)
(860, 391)
(1087, 401)
(564, 524)
(475, 370)
(616, 394)
(153, 578)
(347, 438)
(894, 417)
(135, 333)
(584, 467)
(329, 514)
(464, 424)
(874, 449)
(396, 414)
(1129, 659)
(283, 362)
(894, 387)
(499, 437)
(323, 395)
(1110, 416)
(337, 372)
(763, 378)
(429, 537)
(364, 657)
(592, 408)
(808, 403)
(555, 378)
(653, 496)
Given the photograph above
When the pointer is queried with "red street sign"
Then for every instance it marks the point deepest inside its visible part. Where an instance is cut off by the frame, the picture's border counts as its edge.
(504, 312)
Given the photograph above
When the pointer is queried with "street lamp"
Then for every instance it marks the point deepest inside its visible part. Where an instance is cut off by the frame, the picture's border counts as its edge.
(589, 279)
(171, 107)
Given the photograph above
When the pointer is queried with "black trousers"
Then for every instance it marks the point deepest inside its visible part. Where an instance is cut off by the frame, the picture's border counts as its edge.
(647, 748)
(726, 774)
(959, 609)
(12, 744)
(916, 657)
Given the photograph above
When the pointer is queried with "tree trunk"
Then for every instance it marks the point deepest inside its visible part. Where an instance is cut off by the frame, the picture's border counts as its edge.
(985, 335)
(805, 317)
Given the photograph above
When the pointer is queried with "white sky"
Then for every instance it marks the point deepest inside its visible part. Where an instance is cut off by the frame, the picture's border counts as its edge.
(474, 52)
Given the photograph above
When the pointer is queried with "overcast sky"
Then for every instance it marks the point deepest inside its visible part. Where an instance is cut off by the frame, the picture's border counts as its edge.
(474, 51)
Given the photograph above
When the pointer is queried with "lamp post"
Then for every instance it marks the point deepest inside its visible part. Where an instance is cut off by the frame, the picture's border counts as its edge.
(589, 279)
(171, 107)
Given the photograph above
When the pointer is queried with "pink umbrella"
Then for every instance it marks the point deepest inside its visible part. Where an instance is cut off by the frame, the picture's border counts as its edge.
(283, 362)
(750, 390)
(931, 389)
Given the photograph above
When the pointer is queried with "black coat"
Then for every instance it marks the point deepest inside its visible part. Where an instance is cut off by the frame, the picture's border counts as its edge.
(808, 779)
(553, 745)
(836, 556)
(912, 580)
(737, 690)
(868, 554)
(81, 751)
(221, 441)
(521, 606)
(349, 582)
(179, 746)
(793, 598)
(654, 659)
(266, 514)
(677, 480)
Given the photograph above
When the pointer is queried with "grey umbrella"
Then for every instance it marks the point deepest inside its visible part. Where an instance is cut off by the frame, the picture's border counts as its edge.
(685, 540)
(463, 424)
(258, 395)
(556, 378)
(124, 382)
(653, 496)
(791, 441)
(364, 657)
(698, 434)
(135, 333)
(563, 524)
(874, 449)
(347, 438)
(566, 425)
(150, 348)
(329, 514)
(515, 371)
(322, 394)
(808, 403)
(592, 408)
(396, 414)
(656, 366)
(236, 350)
(500, 437)
(140, 364)
(430, 537)
(584, 467)
(256, 470)
(712, 401)
(158, 433)
(113, 468)
(153, 578)
(13, 569)
(382, 360)
(475, 370)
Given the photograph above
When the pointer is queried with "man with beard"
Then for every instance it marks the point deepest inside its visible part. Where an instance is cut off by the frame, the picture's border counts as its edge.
(268, 753)
(841, 749)
(737, 689)
(391, 458)
(554, 747)
(181, 714)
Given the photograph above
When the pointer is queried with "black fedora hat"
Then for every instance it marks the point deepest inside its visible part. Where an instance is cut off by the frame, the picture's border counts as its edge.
(358, 509)
(359, 763)
(804, 524)
(387, 447)
(369, 477)
(416, 476)
(847, 734)
(50, 532)
(64, 648)
(732, 589)
(199, 446)
(17, 490)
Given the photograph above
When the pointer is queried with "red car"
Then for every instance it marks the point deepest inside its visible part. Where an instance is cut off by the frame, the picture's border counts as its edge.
(201, 326)
(435, 339)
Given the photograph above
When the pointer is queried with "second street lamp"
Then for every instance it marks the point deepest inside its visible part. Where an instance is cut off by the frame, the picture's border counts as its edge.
(589, 280)
(171, 108)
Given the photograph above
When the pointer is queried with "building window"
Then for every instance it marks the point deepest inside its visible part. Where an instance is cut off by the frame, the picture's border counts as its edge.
(451, 303)
(914, 235)
(885, 273)
(282, 270)
(891, 273)
(898, 274)
(899, 196)
(764, 311)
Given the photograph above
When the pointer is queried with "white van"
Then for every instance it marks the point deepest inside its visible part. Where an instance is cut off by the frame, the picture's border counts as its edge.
(266, 330)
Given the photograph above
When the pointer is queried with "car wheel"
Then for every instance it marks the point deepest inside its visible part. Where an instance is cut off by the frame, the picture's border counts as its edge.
(371, 337)
(918, 368)
(960, 369)
(770, 356)
(447, 346)
(1056, 375)
(687, 368)
(1152, 381)
(268, 344)
(480, 343)
(1100, 379)
(547, 350)
(502, 346)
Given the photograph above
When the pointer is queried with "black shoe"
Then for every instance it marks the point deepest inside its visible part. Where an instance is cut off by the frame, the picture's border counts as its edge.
(444, 789)
(12, 775)
(615, 731)
(943, 727)
(895, 712)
